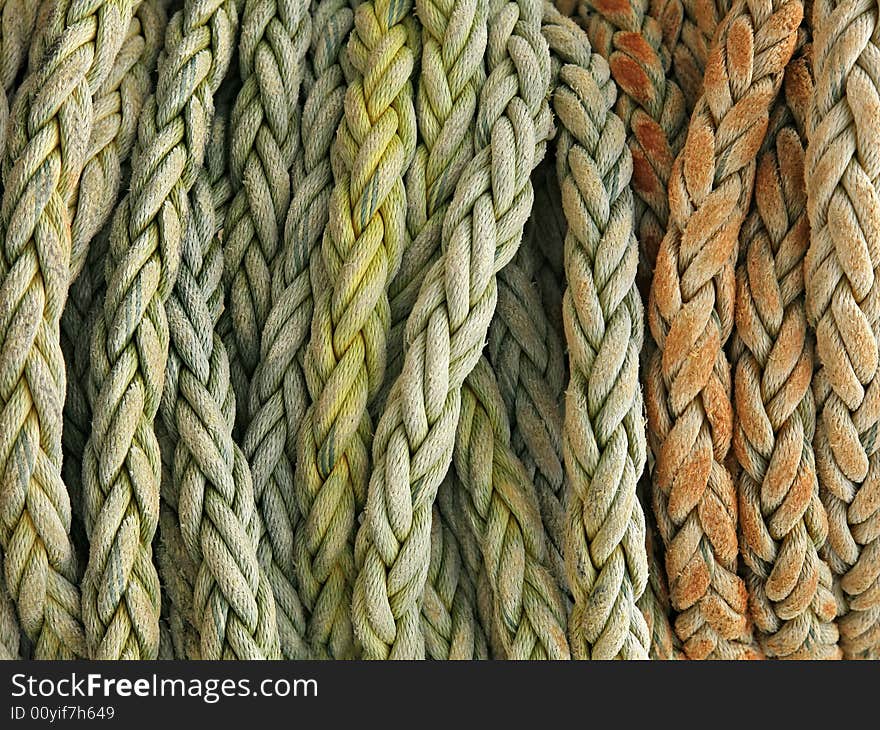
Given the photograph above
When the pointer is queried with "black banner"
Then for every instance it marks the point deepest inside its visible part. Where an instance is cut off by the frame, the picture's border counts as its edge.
(450, 695)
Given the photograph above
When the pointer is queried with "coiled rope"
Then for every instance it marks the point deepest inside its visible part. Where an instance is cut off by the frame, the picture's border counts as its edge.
(345, 363)
(46, 150)
(841, 270)
(445, 332)
(690, 313)
(264, 130)
(130, 342)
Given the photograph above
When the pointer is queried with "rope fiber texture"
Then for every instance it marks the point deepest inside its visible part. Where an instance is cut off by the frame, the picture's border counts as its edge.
(444, 335)
(122, 465)
(782, 521)
(691, 316)
(345, 362)
(50, 127)
(264, 139)
(604, 443)
(842, 271)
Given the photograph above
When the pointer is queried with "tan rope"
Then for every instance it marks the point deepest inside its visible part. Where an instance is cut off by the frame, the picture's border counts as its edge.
(841, 271)
(690, 313)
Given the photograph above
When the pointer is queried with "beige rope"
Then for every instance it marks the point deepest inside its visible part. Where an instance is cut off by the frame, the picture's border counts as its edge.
(841, 271)
(690, 313)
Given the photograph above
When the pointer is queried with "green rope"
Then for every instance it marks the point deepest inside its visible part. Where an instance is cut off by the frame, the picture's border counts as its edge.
(264, 138)
(529, 610)
(130, 343)
(345, 362)
(604, 432)
(47, 145)
(279, 396)
(481, 231)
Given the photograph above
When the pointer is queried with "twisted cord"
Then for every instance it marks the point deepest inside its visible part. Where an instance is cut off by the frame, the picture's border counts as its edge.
(688, 28)
(450, 79)
(9, 630)
(528, 608)
(233, 605)
(651, 106)
(449, 605)
(117, 106)
(690, 313)
(265, 136)
(481, 231)
(345, 361)
(50, 127)
(841, 270)
(121, 467)
(782, 521)
(526, 354)
(603, 438)
(17, 19)
(279, 396)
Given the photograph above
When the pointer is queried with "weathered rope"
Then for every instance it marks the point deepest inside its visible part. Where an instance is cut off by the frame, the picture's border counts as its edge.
(265, 136)
(529, 611)
(47, 145)
(9, 630)
(129, 351)
(117, 107)
(450, 79)
(690, 313)
(481, 231)
(278, 394)
(841, 271)
(449, 606)
(234, 608)
(782, 521)
(650, 104)
(604, 437)
(654, 603)
(17, 19)
(345, 362)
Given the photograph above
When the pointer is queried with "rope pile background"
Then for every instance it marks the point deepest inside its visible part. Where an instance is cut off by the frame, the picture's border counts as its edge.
(448, 329)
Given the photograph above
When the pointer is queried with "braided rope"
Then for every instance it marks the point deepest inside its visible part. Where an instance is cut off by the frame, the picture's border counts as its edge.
(129, 350)
(449, 604)
(526, 354)
(234, 608)
(9, 631)
(117, 106)
(688, 28)
(46, 149)
(264, 140)
(690, 313)
(481, 231)
(17, 19)
(651, 106)
(654, 602)
(604, 438)
(279, 396)
(529, 611)
(450, 80)
(782, 521)
(841, 270)
(345, 361)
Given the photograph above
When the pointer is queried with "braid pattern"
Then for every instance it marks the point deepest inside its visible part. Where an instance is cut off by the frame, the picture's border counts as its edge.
(528, 608)
(130, 343)
(9, 630)
(604, 440)
(234, 608)
(842, 270)
(481, 231)
(345, 361)
(690, 312)
(46, 148)
(279, 396)
(264, 140)
(651, 106)
(782, 520)
(17, 19)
